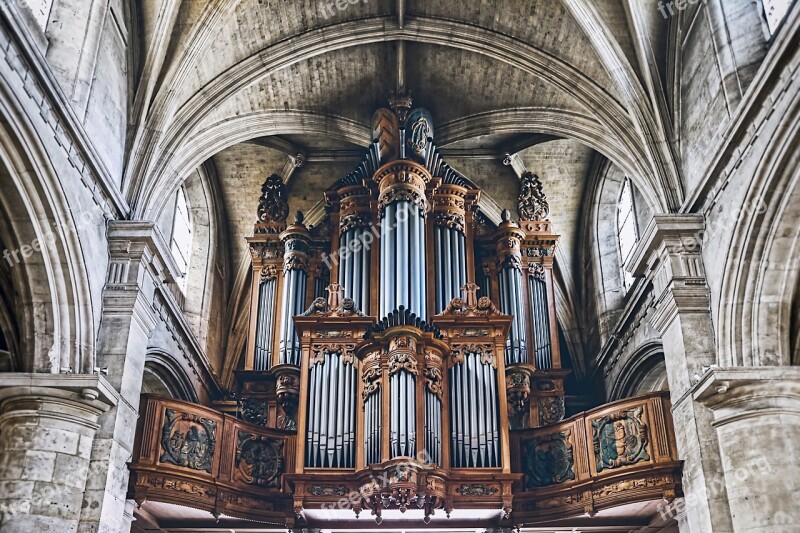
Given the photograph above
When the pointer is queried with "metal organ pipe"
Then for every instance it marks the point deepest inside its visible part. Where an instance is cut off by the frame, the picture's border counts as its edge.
(402, 203)
(509, 258)
(541, 316)
(265, 320)
(296, 241)
(450, 243)
(473, 415)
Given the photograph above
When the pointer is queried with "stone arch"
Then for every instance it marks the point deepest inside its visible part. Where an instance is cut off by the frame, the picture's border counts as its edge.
(164, 376)
(53, 315)
(762, 269)
(644, 371)
(156, 172)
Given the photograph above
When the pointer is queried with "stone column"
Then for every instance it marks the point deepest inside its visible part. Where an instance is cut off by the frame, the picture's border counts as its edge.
(669, 255)
(138, 257)
(47, 426)
(757, 418)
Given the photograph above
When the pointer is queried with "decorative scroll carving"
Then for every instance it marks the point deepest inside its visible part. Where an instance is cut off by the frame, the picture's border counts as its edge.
(328, 490)
(188, 440)
(398, 194)
(628, 484)
(402, 355)
(548, 460)
(334, 305)
(532, 202)
(620, 439)
(272, 204)
(259, 459)
(354, 220)
(433, 373)
(253, 410)
(269, 272)
(176, 485)
(449, 219)
(321, 351)
(536, 270)
(477, 489)
(295, 262)
(551, 410)
(484, 350)
(470, 305)
(371, 374)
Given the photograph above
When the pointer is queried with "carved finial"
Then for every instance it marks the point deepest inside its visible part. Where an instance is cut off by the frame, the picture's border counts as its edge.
(505, 216)
(272, 205)
(400, 104)
(532, 202)
(299, 217)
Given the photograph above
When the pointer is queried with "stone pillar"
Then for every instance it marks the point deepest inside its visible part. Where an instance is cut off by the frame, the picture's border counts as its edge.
(757, 418)
(47, 426)
(136, 266)
(669, 255)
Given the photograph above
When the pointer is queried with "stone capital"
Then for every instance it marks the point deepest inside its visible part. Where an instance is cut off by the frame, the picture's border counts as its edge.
(735, 394)
(77, 399)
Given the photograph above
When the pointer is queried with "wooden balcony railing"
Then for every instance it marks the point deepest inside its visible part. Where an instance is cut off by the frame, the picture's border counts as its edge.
(194, 456)
(619, 453)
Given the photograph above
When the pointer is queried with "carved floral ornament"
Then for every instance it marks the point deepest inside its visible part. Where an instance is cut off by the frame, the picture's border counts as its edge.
(259, 459)
(273, 206)
(485, 351)
(269, 272)
(371, 374)
(532, 202)
(321, 351)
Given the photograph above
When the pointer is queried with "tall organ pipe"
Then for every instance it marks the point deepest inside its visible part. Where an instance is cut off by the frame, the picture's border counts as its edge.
(265, 321)
(449, 243)
(296, 241)
(541, 317)
(402, 204)
(509, 258)
(330, 439)
(473, 414)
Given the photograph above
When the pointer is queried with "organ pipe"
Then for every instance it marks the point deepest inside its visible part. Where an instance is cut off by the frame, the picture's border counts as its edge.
(295, 277)
(509, 264)
(266, 318)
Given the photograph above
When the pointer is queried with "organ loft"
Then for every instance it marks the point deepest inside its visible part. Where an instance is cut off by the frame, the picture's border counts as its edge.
(403, 365)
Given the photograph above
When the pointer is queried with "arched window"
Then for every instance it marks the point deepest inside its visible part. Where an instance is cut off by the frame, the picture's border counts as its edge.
(181, 242)
(775, 11)
(627, 232)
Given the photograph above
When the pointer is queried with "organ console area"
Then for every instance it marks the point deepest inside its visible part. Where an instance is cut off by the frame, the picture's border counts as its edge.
(403, 363)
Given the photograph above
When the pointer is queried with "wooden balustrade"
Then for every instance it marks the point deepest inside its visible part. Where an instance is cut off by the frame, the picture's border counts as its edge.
(190, 455)
(619, 453)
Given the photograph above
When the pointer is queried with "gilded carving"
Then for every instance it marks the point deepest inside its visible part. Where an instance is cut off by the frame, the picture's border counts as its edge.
(620, 439)
(188, 440)
(259, 459)
(548, 460)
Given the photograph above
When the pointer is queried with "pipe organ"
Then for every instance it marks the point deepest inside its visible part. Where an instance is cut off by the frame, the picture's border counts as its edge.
(404, 356)
(401, 357)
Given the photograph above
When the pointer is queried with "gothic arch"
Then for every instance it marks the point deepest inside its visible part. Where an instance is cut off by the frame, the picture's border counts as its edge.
(155, 172)
(54, 319)
(644, 371)
(763, 266)
(164, 376)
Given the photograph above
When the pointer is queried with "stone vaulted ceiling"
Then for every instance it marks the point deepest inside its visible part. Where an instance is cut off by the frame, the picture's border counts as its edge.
(243, 85)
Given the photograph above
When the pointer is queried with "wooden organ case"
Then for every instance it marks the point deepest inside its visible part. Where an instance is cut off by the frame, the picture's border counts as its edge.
(409, 356)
